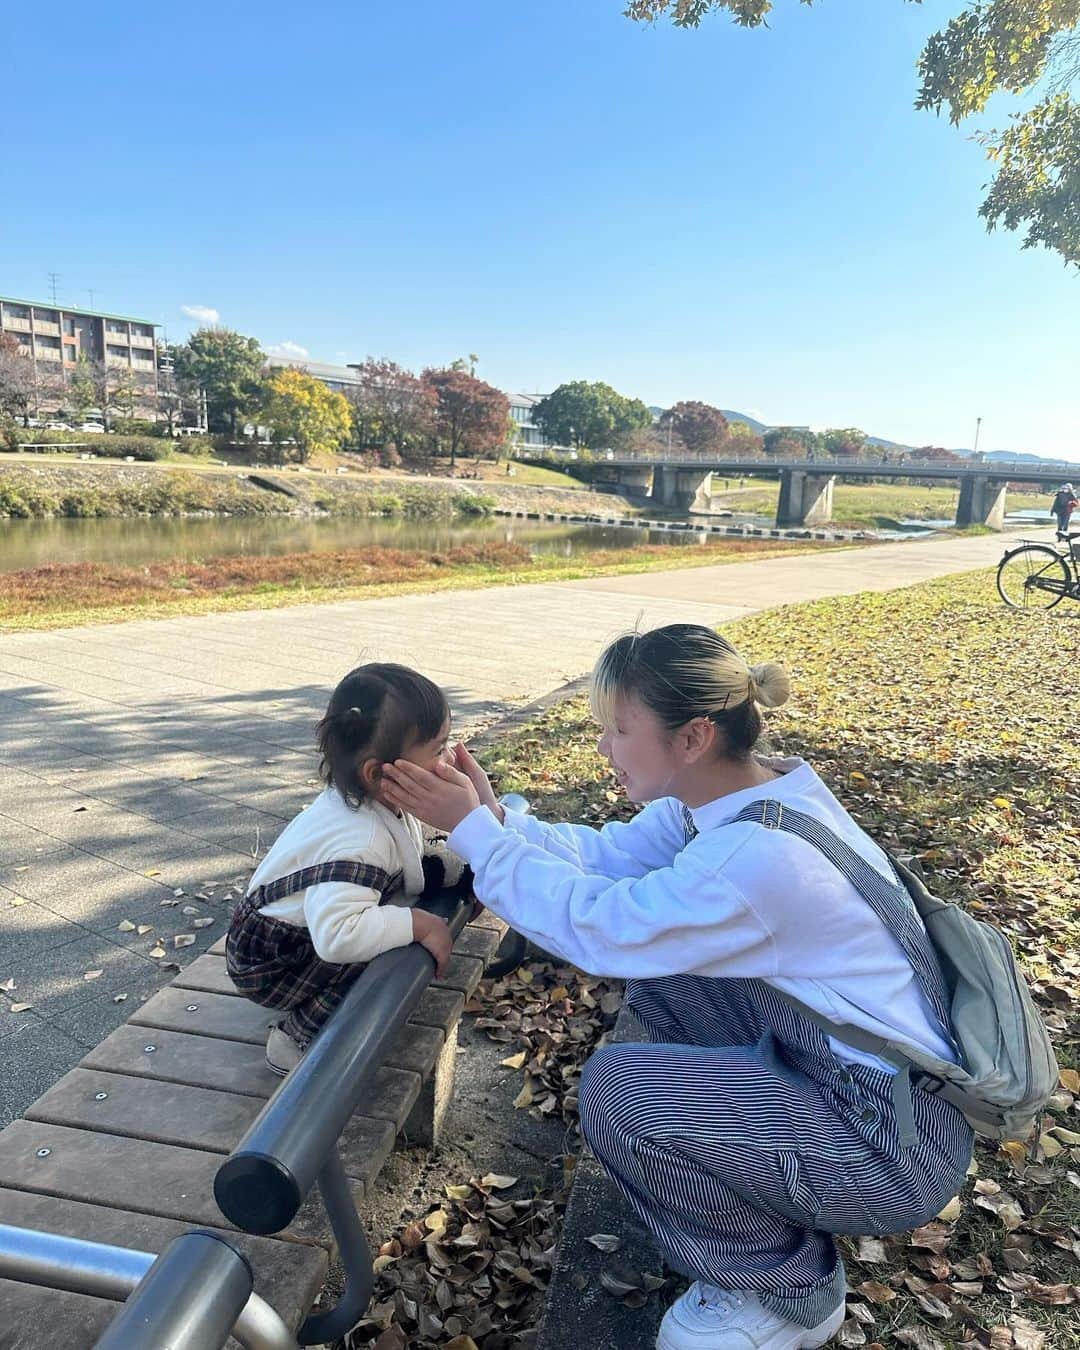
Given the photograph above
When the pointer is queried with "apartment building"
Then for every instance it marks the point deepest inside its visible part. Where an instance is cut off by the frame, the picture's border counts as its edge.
(55, 337)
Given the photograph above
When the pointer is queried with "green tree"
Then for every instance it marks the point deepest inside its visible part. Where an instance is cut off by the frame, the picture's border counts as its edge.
(844, 442)
(81, 391)
(470, 415)
(791, 442)
(299, 408)
(589, 415)
(228, 366)
(993, 46)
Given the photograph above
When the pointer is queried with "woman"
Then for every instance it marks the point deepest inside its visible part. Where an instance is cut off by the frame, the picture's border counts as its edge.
(742, 1134)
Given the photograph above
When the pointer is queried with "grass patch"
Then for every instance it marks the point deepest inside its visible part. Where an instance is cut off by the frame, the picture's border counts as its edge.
(870, 505)
(936, 716)
(62, 595)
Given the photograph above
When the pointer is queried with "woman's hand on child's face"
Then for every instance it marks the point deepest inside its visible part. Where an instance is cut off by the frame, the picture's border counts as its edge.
(441, 798)
(478, 778)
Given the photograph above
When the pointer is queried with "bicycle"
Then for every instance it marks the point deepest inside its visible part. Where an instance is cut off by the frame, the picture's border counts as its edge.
(1038, 576)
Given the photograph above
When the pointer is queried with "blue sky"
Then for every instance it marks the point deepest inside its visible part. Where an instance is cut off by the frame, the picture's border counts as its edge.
(756, 219)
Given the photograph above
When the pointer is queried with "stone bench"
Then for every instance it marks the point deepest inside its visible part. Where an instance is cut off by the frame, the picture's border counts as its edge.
(125, 1147)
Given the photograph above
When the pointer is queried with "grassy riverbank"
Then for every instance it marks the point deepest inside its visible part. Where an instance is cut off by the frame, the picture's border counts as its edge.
(867, 505)
(77, 593)
(935, 715)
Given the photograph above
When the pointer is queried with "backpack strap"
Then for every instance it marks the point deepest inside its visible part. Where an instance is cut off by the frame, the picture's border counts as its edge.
(898, 916)
(900, 920)
(352, 873)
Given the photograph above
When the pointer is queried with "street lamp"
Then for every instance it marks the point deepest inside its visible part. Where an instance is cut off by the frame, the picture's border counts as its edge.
(978, 425)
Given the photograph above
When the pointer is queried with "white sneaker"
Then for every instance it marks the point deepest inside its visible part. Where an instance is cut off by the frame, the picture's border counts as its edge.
(282, 1052)
(708, 1318)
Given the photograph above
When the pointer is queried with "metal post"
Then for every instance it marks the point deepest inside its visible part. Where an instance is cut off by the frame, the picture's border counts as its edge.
(354, 1254)
(188, 1300)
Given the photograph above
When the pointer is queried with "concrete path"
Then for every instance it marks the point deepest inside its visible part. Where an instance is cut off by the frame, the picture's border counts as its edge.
(143, 766)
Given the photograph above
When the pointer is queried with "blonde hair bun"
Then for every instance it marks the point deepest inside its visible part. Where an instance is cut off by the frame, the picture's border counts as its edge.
(772, 685)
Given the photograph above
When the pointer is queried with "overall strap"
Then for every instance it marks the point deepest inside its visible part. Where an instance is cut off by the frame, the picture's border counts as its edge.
(889, 901)
(352, 873)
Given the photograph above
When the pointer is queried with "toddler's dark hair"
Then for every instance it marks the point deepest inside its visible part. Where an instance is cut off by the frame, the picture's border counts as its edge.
(378, 711)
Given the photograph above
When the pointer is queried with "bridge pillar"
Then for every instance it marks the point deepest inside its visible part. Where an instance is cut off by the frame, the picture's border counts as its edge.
(682, 489)
(982, 502)
(635, 482)
(806, 498)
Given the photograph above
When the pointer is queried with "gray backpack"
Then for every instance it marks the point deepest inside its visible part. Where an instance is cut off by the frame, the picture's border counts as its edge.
(1007, 1069)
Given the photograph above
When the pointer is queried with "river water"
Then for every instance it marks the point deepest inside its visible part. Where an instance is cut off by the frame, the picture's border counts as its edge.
(136, 542)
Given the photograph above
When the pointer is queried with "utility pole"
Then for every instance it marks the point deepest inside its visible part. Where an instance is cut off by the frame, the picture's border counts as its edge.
(54, 277)
(978, 425)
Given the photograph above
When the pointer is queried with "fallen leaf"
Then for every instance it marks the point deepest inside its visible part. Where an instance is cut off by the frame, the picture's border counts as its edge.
(91, 974)
(144, 928)
(21, 1007)
(1026, 1335)
(190, 909)
(922, 1338)
(1070, 1079)
(851, 1333)
(525, 1096)
(871, 1250)
(119, 998)
(877, 1293)
(951, 1212)
(513, 1061)
(8, 985)
(203, 923)
(183, 939)
(156, 952)
(605, 1242)
(125, 926)
(153, 872)
(497, 1181)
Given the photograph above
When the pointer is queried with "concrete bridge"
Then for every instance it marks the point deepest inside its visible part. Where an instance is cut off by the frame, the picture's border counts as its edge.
(806, 486)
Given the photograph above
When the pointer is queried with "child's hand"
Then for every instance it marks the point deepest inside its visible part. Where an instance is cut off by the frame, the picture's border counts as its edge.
(434, 934)
(479, 779)
(441, 798)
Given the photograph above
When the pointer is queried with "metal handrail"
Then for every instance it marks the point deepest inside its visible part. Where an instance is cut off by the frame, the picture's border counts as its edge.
(292, 1143)
(212, 1271)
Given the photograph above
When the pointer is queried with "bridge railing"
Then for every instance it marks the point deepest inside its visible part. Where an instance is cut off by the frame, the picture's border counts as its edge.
(898, 467)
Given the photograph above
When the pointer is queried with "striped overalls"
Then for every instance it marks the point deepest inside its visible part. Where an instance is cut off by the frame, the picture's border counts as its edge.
(743, 1142)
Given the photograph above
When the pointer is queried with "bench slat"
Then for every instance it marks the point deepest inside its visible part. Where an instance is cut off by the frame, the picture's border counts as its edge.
(232, 1066)
(190, 1117)
(107, 1169)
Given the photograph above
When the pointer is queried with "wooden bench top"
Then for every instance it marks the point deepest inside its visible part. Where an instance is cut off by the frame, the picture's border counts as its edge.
(124, 1148)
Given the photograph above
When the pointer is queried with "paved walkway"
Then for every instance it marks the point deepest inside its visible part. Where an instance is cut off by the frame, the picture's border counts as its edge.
(144, 765)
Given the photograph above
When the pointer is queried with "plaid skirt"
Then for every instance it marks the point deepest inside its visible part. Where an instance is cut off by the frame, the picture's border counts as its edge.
(275, 964)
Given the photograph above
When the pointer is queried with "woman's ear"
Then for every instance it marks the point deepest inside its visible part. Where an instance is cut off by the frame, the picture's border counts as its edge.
(370, 774)
(700, 738)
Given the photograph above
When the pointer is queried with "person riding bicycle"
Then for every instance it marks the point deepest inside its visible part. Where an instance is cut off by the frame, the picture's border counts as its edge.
(1062, 507)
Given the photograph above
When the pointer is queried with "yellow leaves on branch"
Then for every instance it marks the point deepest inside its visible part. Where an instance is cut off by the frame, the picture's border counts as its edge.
(302, 409)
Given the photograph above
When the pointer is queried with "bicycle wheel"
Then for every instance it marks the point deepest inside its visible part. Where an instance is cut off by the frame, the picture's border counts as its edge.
(1034, 577)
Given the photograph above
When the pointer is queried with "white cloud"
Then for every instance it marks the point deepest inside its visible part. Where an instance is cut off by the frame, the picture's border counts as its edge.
(288, 351)
(203, 313)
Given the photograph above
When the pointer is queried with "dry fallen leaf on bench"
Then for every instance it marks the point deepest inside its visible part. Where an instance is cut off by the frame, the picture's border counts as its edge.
(605, 1242)
(144, 928)
(91, 974)
(156, 952)
(513, 1061)
(125, 926)
(203, 923)
(168, 903)
(119, 998)
(17, 900)
(183, 939)
(21, 1007)
(8, 985)
(191, 909)
(153, 872)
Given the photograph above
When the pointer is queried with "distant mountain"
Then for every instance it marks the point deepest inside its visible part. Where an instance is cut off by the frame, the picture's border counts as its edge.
(760, 427)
